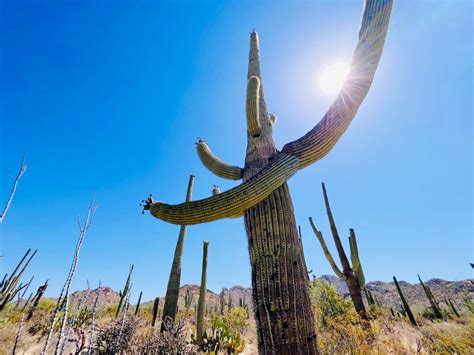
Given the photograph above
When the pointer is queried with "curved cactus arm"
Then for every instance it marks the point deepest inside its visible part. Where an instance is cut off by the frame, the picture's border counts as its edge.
(216, 165)
(231, 203)
(252, 103)
(326, 251)
(315, 144)
(356, 265)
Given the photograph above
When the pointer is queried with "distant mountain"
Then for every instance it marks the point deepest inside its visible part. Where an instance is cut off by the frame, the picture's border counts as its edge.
(87, 297)
(384, 292)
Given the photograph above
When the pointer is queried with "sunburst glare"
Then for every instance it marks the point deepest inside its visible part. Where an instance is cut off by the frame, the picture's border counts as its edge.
(332, 77)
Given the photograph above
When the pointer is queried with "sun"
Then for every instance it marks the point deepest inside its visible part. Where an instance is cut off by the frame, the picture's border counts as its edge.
(332, 77)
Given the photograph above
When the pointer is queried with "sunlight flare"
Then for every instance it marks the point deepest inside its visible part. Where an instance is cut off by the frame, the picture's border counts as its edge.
(332, 77)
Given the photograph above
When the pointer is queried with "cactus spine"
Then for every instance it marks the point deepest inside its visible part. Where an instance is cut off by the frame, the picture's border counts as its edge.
(278, 276)
(406, 307)
(202, 295)
(172, 290)
(352, 276)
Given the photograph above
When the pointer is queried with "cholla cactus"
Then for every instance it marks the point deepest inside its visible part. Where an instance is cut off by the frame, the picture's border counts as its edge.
(278, 274)
(352, 276)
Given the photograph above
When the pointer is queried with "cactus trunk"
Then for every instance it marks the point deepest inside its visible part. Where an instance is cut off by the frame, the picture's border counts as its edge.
(172, 291)
(279, 280)
(202, 295)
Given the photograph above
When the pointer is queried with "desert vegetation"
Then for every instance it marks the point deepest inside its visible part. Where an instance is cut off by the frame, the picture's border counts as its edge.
(285, 311)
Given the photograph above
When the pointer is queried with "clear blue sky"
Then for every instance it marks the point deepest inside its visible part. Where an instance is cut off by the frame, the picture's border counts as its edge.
(110, 97)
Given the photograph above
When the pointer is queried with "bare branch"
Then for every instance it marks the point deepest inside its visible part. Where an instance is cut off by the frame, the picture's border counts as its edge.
(18, 177)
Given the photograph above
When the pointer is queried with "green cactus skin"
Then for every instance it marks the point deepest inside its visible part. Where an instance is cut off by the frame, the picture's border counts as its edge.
(351, 276)
(156, 306)
(126, 288)
(406, 307)
(172, 290)
(137, 308)
(252, 109)
(433, 302)
(279, 282)
(202, 295)
(216, 165)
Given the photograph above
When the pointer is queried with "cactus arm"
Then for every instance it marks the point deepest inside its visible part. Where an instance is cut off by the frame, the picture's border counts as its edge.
(252, 109)
(216, 165)
(356, 265)
(319, 141)
(231, 203)
(326, 251)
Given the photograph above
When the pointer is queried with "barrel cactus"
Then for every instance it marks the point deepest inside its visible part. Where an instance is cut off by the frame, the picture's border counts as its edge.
(279, 279)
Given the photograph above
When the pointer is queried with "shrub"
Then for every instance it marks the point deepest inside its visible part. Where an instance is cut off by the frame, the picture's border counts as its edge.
(338, 325)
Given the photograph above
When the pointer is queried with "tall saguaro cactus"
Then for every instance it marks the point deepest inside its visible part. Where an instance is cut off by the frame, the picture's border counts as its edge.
(280, 291)
(352, 276)
(202, 295)
(172, 291)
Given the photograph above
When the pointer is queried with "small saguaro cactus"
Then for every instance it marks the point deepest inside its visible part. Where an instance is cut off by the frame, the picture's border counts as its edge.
(202, 295)
(352, 276)
(278, 275)
(37, 299)
(406, 307)
(188, 298)
(156, 306)
(123, 294)
(172, 291)
(137, 308)
(433, 302)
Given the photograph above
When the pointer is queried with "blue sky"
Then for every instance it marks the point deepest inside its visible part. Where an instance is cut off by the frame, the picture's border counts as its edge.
(109, 97)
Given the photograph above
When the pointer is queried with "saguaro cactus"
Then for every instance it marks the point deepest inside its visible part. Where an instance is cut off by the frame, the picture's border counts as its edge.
(433, 302)
(406, 307)
(172, 291)
(352, 276)
(202, 295)
(279, 281)
(124, 292)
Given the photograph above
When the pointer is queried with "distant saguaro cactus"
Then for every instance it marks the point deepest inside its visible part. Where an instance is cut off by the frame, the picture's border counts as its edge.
(156, 306)
(37, 299)
(172, 291)
(406, 307)
(352, 276)
(202, 295)
(278, 275)
(124, 292)
(433, 302)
